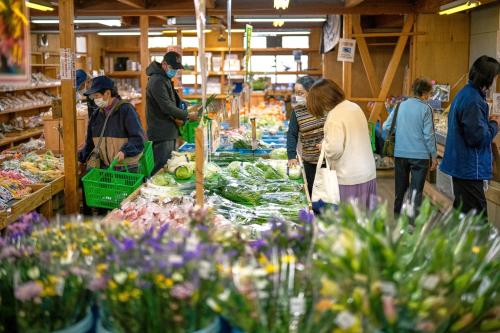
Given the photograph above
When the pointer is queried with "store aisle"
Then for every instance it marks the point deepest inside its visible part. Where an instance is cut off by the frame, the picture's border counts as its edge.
(385, 190)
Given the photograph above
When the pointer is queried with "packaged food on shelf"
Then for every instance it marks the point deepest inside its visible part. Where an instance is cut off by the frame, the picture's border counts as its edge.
(42, 167)
(28, 99)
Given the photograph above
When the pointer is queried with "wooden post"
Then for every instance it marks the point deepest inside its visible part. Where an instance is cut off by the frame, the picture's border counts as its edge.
(67, 45)
(144, 54)
(200, 159)
(347, 66)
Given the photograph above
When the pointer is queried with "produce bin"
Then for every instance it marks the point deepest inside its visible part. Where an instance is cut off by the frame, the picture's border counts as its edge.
(147, 161)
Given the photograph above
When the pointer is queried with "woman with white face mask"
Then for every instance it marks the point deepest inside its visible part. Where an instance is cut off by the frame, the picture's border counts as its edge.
(306, 128)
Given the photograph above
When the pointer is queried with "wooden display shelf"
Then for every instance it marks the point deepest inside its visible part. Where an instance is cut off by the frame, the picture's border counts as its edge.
(123, 73)
(45, 65)
(28, 108)
(25, 135)
(24, 88)
(437, 197)
(41, 197)
(122, 50)
(198, 96)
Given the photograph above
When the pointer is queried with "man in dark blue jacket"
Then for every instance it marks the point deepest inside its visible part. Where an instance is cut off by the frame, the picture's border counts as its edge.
(468, 155)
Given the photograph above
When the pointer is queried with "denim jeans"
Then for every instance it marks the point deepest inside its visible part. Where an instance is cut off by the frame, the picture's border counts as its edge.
(410, 176)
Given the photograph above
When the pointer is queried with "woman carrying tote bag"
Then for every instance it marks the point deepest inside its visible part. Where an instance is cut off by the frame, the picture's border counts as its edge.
(346, 146)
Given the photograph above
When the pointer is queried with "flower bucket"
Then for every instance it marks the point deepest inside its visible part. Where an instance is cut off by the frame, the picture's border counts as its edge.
(83, 326)
(212, 328)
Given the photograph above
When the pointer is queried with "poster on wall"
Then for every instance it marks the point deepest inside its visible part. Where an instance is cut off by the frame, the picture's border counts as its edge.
(14, 43)
(495, 110)
(331, 33)
(441, 92)
(347, 49)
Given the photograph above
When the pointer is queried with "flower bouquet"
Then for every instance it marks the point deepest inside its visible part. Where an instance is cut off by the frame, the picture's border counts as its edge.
(379, 277)
(160, 280)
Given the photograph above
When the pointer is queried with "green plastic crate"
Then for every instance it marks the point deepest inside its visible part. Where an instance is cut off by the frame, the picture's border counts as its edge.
(107, 188)
(189, 129)
(147, 161)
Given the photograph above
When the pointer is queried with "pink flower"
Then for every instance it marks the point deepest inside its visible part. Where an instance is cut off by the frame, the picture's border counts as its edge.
(28, 291)
(182, 291)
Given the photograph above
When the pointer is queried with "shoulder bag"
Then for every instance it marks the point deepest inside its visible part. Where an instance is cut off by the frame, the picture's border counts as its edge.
(326, 184)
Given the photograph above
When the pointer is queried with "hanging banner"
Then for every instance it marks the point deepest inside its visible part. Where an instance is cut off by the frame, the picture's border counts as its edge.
(248, 51)
(15, 64)
(331, 33)
(67, 64)
(347, 49)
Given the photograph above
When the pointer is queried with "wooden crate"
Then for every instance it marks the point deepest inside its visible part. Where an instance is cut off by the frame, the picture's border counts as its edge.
(41, 194)
(53, 129)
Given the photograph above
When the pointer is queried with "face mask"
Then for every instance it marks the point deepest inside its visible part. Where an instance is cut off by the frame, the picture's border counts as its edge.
(298, 100)
(100, 102)
(171, 73)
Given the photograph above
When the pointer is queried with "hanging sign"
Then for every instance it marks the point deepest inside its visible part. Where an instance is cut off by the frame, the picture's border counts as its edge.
(67, 64)
(248, 51)
(495, 110)
(347, 49)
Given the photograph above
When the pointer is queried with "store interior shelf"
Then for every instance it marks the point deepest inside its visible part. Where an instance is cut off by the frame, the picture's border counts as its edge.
(123, 73)
(28, 108)
(212, 49)
(198, 96)
(45, 65)
(26, 134)
(23, 88)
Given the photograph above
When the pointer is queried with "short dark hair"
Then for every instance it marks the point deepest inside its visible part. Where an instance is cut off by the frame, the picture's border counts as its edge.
(324, 96)
(421, 86)
(306, 82)
(483, 72)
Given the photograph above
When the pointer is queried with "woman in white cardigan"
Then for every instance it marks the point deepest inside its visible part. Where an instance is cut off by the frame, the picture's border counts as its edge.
(347, 143)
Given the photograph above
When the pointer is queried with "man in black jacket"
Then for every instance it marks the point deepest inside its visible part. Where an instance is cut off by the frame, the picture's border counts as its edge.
(165, 112)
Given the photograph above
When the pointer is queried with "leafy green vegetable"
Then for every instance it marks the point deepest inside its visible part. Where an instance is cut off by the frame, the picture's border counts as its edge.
(163, 179)
(279, 154)
(183, 172)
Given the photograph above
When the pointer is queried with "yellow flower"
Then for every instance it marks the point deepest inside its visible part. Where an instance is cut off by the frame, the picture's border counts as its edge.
(328, 287)
(101, 268)
(169, 283)
(112, 284)
(85, 251)
(53, 279)
(132, 275)
(262, 259)
(159, 279)
(49, 291)
(288, 259)
(136, 293)
(324, 305)
(270, 269)
(123, 296)
(476, 249)
(97, 247)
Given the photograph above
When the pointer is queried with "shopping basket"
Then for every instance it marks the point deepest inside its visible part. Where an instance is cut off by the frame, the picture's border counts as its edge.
(107, 188)
(147, 161)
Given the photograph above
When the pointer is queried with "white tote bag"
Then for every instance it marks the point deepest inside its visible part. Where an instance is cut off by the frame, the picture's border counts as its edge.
(326, 185)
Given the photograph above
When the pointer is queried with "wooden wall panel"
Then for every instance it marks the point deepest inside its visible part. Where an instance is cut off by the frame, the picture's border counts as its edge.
(442, 54)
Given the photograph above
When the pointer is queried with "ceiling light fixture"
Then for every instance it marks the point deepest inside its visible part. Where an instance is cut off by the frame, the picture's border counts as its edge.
(127, 33)
(281, 4)
(285, 19)
(39, 5)
(278, 23)
(107, 21)
(458, 6)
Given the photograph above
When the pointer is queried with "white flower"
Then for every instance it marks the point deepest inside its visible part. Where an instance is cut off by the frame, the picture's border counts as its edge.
(120, 277)
(345, 320)
(34, 273)
(430, 282)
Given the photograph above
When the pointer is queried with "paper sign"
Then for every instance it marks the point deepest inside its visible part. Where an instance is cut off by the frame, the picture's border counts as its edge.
(67, 64)
(496, 104)
(347, 49)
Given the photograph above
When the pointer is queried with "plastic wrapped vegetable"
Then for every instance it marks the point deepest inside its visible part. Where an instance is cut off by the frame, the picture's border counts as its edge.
(183, 172)
(294, 173)
(269, 171)
(279, 154)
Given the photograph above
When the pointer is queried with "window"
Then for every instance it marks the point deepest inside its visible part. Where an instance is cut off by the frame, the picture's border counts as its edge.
(288, 61)
(258, 42)
(263, 63)
(190, 41)
(161, 42)
(295, 42)
(189, 79)
(81, 44)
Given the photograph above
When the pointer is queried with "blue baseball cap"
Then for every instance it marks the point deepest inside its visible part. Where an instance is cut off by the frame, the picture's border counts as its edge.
(100, 83)
(81, 77)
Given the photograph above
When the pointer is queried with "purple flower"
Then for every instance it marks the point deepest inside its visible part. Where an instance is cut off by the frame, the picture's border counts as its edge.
(190, 255)
(306, 216)
(28, 291)
(182, 291)
(97, 284)
(257, 244)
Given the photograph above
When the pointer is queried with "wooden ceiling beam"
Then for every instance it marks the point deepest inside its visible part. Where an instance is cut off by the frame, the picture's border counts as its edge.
(139, 4)
(352, 3)
(186, 8)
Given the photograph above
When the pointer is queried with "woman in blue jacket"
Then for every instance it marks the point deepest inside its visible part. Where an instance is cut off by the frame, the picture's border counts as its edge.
(468, 155)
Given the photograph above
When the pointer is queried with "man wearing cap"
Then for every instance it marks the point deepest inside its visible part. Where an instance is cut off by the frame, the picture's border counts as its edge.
(165, 110)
